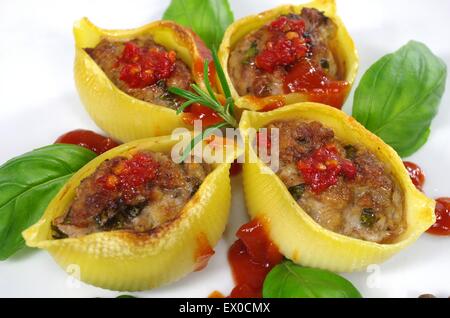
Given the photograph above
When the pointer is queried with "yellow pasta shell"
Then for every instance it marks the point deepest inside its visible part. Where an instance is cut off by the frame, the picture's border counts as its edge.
(295, 233)
(121, 260)
(120, 115)
(344, 49)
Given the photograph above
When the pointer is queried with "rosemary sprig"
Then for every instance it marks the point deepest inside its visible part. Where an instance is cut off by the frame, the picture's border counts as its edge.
(208, 99)
(205, 133)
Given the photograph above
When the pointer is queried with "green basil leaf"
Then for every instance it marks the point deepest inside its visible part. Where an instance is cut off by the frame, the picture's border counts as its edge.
(288, 280)
(208, 18)
(398, 96)
(28, 183)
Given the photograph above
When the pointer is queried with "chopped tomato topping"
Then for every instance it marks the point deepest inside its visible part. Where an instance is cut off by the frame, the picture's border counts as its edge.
(322, 169)
(141, 67)
(129, 175)
(284, 24)
(289, 47)
(285, 46)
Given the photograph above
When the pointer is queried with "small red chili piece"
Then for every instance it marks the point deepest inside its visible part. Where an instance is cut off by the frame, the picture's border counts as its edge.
(322, 169)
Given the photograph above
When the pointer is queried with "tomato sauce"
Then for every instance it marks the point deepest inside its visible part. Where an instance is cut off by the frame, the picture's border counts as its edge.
(276, 103)
(198, 69)
(416, 174)
(236, 168)
(203, 253)
(304, 77)
(251, 258)
(88, 139)
(289, 47)
(141, 67)
(442, 224)
(199, 112)
(442, 210)
(216, 294)
(323, 168)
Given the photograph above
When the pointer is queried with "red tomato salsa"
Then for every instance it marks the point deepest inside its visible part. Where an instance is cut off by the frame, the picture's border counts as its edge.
(141, 67)
(292, 54)
(286, 45)
(322, 169)
(130, 175)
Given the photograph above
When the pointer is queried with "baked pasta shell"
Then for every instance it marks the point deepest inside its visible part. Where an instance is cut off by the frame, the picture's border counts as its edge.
(120, 115)
(127, 261)
(344, 49)
(296, 234)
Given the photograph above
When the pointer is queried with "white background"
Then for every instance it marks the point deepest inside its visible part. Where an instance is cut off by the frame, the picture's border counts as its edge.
(38, 102)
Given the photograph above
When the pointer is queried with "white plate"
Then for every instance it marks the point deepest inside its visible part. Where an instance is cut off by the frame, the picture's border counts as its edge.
(39, 102)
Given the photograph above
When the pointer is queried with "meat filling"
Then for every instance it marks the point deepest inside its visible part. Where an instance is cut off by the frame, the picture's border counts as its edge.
(343, 187)
(143, 69)
(137, 193)
(268, 58)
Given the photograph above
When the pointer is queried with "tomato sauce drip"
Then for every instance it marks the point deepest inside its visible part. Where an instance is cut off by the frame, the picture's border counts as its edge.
(129, 175)
(251, 258)
(203, 253)
(305, 77)
(285, 46)
(416, 174)
(88, 139)
(442, 224)
(323, 168)
(141, 67)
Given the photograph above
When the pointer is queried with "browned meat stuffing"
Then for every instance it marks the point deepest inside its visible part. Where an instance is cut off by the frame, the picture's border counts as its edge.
(249, 79)
(107, 54)
(137, 193)
(364, 201)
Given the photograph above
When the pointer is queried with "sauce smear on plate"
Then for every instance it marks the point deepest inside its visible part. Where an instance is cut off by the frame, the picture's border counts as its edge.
(251, 258)
(442, 211)
(416, 174)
